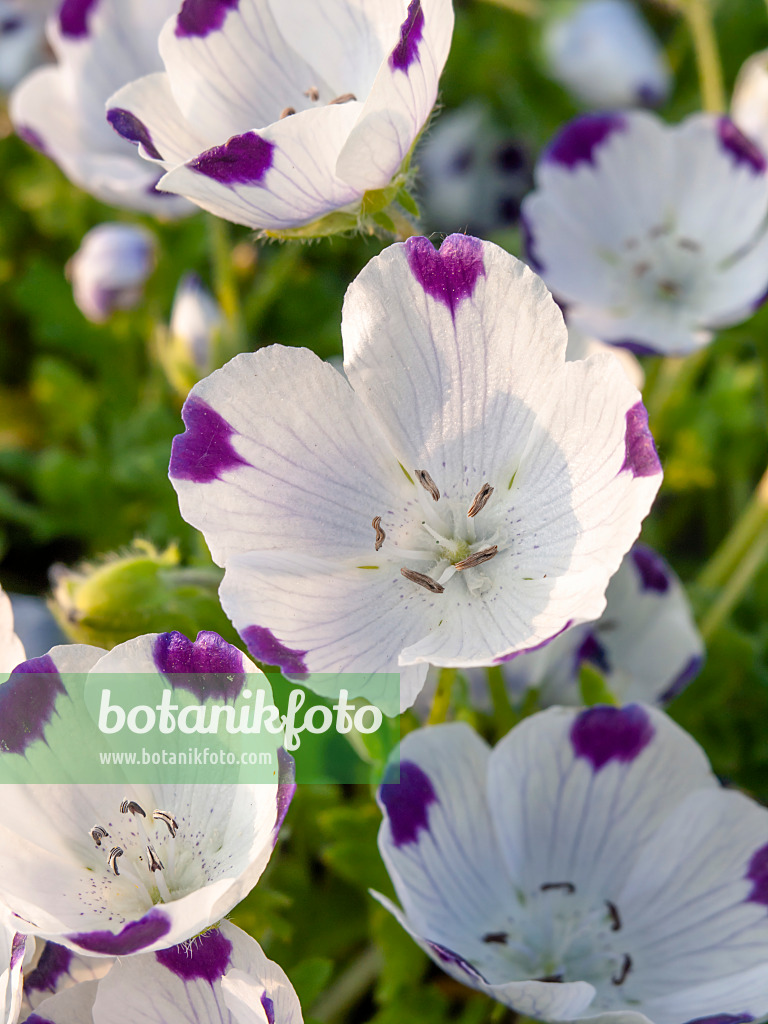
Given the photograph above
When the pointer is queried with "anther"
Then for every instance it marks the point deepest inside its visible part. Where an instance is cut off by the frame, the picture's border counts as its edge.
(428, 483)
(98, 833)
(499, 937)
(626, 967)
(155, 864)
(312, 93)
(689, 244)
(481, 500)
(114, 853)
(344, 98)
(568, 887)
(380, 535)
(424, 581)
(287, 111)
(477, 559)
(614, 915)
(170, 821)
(131, 807)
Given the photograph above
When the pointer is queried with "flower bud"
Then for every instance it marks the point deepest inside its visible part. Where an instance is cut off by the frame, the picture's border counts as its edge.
(749, 105)
(110, 268)
(604, 53)
(187, 348)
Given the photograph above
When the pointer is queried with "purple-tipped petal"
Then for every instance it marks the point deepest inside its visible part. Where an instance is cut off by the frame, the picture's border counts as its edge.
(577, 141)
(32, 138)
(449, 274)
(641, 458)
(652, 568)
(73, 17)
(200, 17)
(208, 667)
(449, 957)
(135, 936)
(265, 647)
(54, 962)
(679, 683)
(740, 147)
(243, 160)
(206, 957)
(28, 703)
(724, 1018)
(536, 647)
(269, 1008)
(407, 49)
(286, 787)
(593, 652)
(602, 734)
(407, 802)
(130, 127)
(204, 451)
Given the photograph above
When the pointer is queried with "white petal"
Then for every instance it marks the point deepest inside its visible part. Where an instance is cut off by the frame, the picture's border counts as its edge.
(72, 1006)
(11, 648)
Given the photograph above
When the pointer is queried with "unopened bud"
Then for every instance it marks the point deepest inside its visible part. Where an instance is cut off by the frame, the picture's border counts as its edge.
(110, 268)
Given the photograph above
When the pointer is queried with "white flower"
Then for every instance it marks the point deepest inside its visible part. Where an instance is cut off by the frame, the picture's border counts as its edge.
(110, 268)
(100, 45)
(114, 869)
(196, 320)
(469, 495)
(22, 42)
(289, 117)
(49, 969)
(645, 644)
(581, 346)
(749, 103)
(605, 54)
(221, 975)
(12, 951)
(652, 235)
(11, 648)
(589, 867)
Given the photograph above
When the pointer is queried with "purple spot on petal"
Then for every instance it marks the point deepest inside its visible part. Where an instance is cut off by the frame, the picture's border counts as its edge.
(264, 646)
(529, 244)
(653, 570)
(73, 17)
(637, 348)
(130, 127)
(32, 138)
(286, 787)
(27, 703)
(269, 1008)
(134, 936)
(35, 1018)
(724, 1018)
(199, 17)
(54, 962)
(593, 652)
(757, 873)
(407, 49)
(407, 802)
(650, 96)
(577, 141)
(18, 949)
(208, 667)
(447, 956)
(204, 451)
(679, 683)
(601, 734)
(640, 457)
(739, 146)
(243, 160)
(450, 274)
(536, 647)
(206, 957)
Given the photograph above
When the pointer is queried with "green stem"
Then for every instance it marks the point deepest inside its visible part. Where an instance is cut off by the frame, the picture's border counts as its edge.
(743, 574)
(736, 546)
(698, 14)
(504, 714)
(441, 702)
(271, 276)
(528, 8)
(670, 379)
(350, 987)
(232, 339)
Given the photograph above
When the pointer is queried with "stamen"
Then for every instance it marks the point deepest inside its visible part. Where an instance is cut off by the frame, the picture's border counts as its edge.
(568, 887)
(500, 937)
(344, 98)
(287, 111)
(428, 483)
(477, 559)
(312, 93)
(689, 244)
(170, 821)
(115, 852)
(641, 268)
(98, 833)
(155, 864)
(614, 915)
(481, 500)
(626, 967)
(424, 581)
(131, 807)
(380, 535)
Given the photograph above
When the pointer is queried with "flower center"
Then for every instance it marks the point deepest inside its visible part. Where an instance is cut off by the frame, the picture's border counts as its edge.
(662, 268)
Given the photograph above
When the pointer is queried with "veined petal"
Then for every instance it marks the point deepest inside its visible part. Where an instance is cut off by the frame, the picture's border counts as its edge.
(72, 1006)
(402, 96)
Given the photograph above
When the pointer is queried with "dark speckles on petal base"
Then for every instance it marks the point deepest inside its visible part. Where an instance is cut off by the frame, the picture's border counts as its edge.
(265, 647)
(201, 17)
(130, 127)
(28, 703)
(135, 936)
(411, 31)
(208, 667)
(204, 451)
(73, 17)
(577, 142)
(407, 802)
(450, 274)
(243, 160)
(640, 457)
(602, 734)
(744, 151)
(206, 957)
(652, 569)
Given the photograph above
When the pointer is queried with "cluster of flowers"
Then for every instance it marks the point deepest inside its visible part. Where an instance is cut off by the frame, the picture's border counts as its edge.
(462, 496)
